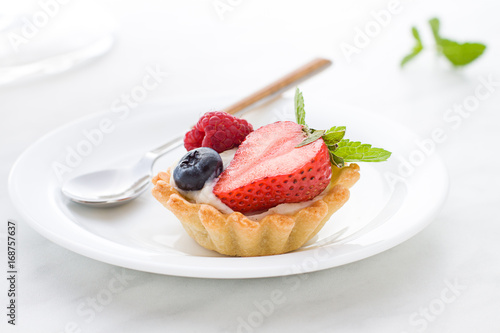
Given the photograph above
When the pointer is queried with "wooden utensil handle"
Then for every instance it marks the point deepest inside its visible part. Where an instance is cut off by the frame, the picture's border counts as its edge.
(266, 93)
(281, 85)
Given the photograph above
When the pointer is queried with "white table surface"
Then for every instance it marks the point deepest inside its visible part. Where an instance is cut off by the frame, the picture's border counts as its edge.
(451, 268)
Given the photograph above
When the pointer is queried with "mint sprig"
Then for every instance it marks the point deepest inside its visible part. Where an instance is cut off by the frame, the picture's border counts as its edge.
(459, 54)
(334, 135)
(300, 113)
(341, 150)
(312, 136)
(435, 25)
(355, 151)
(416, 49)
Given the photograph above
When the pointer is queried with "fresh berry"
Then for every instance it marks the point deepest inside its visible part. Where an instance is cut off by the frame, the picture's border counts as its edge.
(193, 139)
(268, 169)
(196, 167)
(217, 130)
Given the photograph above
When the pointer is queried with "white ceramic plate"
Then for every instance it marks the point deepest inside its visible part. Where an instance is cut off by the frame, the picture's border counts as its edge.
(145, 236)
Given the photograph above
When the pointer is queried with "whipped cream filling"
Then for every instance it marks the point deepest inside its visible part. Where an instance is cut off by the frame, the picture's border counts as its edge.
(207, 196)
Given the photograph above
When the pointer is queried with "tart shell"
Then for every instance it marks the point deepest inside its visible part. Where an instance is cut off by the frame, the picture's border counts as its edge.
(236, 235)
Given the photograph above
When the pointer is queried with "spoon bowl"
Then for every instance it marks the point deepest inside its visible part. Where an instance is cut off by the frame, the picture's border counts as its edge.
(111, 187)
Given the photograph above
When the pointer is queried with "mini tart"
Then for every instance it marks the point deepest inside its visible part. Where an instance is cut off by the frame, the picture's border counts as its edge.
(236, 235)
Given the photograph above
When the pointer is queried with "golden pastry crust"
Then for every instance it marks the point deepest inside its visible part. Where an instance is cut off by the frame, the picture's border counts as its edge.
(236, 235)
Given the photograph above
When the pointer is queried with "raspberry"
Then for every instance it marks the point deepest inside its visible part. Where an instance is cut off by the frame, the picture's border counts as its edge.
(193, 139)
(217, 130)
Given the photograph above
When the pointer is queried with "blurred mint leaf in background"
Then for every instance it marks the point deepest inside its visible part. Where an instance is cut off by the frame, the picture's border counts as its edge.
(416, 49)
(459, 54)
(435, 25)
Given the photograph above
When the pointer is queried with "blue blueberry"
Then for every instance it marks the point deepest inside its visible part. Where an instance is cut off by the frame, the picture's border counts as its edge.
(196, 167)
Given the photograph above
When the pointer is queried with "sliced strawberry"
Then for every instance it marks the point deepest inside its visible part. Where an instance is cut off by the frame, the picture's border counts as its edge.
(268, 169)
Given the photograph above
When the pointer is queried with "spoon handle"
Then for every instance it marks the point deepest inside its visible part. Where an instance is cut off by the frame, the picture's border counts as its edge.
(259, 97)
(279, 86)
(165, 148)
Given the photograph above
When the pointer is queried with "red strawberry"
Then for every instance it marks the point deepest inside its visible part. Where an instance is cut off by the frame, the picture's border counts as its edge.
(268, 169)
(217, 130)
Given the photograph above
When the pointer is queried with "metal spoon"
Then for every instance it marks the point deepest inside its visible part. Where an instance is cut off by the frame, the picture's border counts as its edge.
(113, 187)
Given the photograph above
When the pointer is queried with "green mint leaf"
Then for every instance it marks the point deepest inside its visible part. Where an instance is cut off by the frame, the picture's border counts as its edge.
(336, 160)
(333, 148)
(300, 113)
(339, 149)
(334, 135)
(461, 54)
(435, 25)
(416, 49)
(315, 135)
(355, 151)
